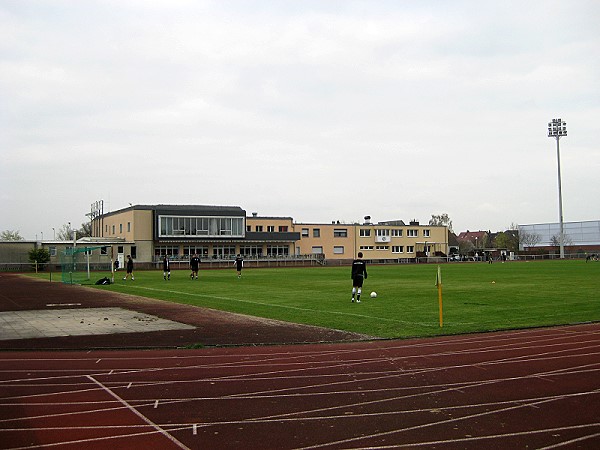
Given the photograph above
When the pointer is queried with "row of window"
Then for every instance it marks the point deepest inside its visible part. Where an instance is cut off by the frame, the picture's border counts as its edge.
(339, 249)
(178, 226)
(269, 228)
(220, 251)
(107, 228)
(366, 232)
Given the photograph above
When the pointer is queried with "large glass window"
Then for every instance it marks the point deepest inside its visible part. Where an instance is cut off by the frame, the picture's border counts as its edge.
(224, 252)
(200, 250)
(278, 250)
(251, 251)
(177, 226)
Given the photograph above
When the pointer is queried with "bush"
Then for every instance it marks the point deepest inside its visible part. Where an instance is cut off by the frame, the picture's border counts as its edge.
(41, 256)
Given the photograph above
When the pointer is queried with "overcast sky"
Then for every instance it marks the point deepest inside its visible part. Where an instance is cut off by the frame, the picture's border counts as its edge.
(319, 110)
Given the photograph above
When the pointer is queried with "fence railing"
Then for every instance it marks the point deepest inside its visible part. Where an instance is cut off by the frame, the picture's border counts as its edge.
(283, 261)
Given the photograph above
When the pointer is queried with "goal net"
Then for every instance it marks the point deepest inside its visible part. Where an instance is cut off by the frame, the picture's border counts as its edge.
(76, 264)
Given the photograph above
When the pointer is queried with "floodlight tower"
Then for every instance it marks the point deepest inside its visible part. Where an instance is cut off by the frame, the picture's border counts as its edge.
(557, 129)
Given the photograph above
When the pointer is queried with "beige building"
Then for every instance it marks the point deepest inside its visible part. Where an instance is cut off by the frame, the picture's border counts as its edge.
(392, 240)
(148, 232)
(218, 233)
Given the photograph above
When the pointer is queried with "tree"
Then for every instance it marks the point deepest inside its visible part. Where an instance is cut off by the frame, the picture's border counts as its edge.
(85, 230)
(39, 257)
(465, 246)
(65, 233)
(529, 239)
(507, 240)
(10, 235)
(441, 220)
(555, 240)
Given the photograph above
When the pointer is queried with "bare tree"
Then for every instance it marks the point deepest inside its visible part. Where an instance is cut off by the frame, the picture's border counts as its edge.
(441, 220)
(527, 239)
(465, 246)
(10, 235)
(65, 233)
(555, 240)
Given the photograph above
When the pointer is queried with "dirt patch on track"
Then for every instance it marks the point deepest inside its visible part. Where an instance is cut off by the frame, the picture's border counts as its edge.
(212, 327)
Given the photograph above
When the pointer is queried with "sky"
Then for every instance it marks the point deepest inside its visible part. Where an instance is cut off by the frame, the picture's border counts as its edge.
(316, 110)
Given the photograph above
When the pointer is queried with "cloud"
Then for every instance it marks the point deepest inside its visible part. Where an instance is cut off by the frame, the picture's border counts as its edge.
(284, 107)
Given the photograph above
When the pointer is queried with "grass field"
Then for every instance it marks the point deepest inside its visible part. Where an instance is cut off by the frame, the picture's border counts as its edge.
(476, 296)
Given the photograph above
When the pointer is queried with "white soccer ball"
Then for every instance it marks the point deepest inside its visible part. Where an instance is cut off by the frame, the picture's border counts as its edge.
(373, 294)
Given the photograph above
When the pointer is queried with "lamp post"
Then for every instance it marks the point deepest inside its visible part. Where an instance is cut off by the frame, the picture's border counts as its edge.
(557, 129)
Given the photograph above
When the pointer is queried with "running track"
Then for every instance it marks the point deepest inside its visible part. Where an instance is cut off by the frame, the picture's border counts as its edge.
(525, 389)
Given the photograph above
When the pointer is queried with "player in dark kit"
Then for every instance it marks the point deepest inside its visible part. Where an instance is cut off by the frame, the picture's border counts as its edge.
(166, 268)
(359, 274)
(239, 263)
(129, 268)
(194, 265)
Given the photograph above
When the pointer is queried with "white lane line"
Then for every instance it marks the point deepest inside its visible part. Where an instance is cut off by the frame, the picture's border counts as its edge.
(139, 414)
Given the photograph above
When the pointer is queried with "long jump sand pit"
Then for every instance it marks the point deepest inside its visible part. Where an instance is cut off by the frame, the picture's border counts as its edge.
(80, 322)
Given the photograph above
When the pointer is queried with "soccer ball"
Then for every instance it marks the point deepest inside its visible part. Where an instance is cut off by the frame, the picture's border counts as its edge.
(373, 294)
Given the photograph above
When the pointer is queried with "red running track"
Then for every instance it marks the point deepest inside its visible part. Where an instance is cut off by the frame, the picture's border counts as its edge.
(524, 389)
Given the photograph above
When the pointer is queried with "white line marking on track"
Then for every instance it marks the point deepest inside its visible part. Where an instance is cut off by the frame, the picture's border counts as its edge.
(139, 414)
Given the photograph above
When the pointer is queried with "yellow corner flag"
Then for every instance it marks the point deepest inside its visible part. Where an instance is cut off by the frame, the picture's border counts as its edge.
(438, 283)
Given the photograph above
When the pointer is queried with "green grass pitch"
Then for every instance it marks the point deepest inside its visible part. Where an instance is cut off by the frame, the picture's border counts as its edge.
(476, 296)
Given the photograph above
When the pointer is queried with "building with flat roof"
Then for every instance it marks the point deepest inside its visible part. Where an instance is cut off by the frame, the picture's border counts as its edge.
(148, 232)
(578, 236)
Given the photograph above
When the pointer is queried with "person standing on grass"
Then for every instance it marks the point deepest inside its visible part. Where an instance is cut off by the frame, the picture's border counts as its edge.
(239, 263)
(166, 268)
(359, 274)
(194, 265)
(129, 268)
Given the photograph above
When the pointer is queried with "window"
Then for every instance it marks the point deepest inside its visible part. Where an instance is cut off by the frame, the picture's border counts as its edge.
(366, 247)
(340, 232)
(259, 228)
(410, 248)
(104, 250)
(412, 233)
(248, 228)
(121, 230)
(166, 250)
(278, 250)
(133, 252)
(270, 228)
(397, 248)
(397, 233)
(171, 226)
(382, 232)
(304, 232)
(338, 250)
(382, 247)
(283, 228)
(52, 251)
(426, 233)
(224, 252)
(317, 250)
(251, 251)
(317, 232)
(364, 232)
(113, 227)
(129, 227)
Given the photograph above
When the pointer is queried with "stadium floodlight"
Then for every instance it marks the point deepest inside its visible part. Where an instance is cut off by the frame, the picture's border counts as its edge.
(557, 129)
